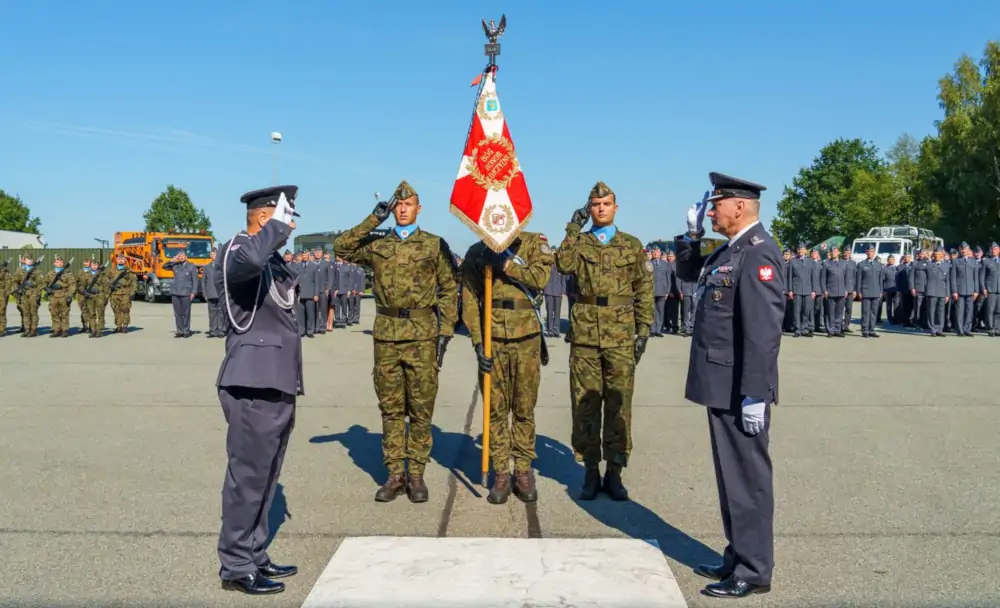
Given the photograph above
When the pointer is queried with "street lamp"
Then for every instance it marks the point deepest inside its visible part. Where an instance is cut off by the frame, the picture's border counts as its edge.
(104, 245)
(275, 139)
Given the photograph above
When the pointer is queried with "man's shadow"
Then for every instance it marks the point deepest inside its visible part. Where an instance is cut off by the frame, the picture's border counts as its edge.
(555, 461)
(277, 514)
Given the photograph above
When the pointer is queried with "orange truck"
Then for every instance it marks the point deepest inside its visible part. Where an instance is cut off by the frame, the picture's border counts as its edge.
(147, 252)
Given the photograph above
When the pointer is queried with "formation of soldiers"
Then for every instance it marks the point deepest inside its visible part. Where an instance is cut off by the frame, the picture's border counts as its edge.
(328, 292)
(938, 292)
(93, 287)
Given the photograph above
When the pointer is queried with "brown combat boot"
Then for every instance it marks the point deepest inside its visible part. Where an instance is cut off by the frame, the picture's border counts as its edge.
(501, 488)
(591, 483)
(393, 487)
(524, 486)
(613, 485)
(416, 489)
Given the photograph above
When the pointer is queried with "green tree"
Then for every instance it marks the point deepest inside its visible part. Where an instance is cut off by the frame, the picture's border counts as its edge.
(960, 167)
(15, 215)
(173, 211)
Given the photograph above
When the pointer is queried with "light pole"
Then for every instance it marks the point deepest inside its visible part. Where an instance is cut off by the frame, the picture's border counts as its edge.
(275, 139)
(104, 245)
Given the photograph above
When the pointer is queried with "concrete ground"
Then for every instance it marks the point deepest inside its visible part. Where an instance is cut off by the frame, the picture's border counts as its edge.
(887, 468)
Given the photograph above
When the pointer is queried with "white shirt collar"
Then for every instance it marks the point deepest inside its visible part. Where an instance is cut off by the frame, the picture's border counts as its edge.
(742, 232)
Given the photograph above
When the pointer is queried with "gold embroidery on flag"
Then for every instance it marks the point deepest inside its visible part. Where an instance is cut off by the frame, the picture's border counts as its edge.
(489, 107)
(498, 219)
(493, 164)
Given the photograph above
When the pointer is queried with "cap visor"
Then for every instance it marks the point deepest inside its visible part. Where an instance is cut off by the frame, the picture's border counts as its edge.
(716, 197)
(296, 214)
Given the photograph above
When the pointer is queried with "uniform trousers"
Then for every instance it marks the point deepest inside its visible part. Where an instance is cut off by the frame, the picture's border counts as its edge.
(671, 310)
(260, 422)
(687, 313)
(307, 318)
(341, 309)
(553, 313)
(891, 298)
(744, 476)
(919, 311)
(992, 311)
(27, 305)
(182, 313)
(357, 308)
(81, 301)
(848, 313)
(602, 378)
(935, 313)
(869, 308)
(513, 395)
(4, 297)
(321, 310)
(963, 314)
(217, 319)
(97, 308)
(835, 315)
(818, 318)
(659, 304)
(59, 311)
(406, 384)
(803, 313)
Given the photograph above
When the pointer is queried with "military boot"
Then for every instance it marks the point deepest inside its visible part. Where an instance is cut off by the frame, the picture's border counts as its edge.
(393, 487)
(501, 489)
(416, 489)
(613, 485)
(591, 483)
(524, 486)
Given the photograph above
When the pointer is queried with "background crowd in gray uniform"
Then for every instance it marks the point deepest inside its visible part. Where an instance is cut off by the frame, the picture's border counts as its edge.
(326, 287)
(938, 292)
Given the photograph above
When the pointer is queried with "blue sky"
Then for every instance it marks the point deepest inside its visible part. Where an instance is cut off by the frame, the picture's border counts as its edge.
(106, 103)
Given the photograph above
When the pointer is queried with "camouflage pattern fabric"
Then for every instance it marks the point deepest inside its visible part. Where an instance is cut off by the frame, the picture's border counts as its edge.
(121, 296)
(596, 376)
(83, 277)
(416, 273)
(406, 369)
(5, 289)
(97, 304)
(513, 395)
(616, 269)
(28, 301)
(60, 298)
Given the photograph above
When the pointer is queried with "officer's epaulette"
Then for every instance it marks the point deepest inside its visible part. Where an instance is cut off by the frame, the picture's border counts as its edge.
(755, 240)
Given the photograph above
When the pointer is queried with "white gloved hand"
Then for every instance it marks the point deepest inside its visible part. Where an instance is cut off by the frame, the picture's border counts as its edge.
(753, 416)
(696, 215)
(283, 211)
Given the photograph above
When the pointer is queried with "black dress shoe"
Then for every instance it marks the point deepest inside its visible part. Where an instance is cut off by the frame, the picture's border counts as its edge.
(273, 570)
(734, 587)
(716, 573)
(254, 584)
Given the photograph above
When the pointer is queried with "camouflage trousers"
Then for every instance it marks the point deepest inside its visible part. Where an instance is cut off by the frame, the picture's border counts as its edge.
(121, 305)
(4, 298)
(81, 301)
(59, 310)
(602, 376)
(513, 394)
(27, 305)
(406, 383)
(97, 307)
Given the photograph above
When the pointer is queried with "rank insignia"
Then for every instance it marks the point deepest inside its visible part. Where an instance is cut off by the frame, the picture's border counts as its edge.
(649, 266)
(725, 269)
(546, 249)
(716, 295)
(756, 240)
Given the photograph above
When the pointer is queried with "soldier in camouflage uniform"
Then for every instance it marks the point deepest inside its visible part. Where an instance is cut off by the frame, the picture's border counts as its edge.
(514, 364)
(5, 289)
(121, 287)
(97, 299)
(610, 321)
(60, 285)
(416, 309)
(30, 296)
(83, 277)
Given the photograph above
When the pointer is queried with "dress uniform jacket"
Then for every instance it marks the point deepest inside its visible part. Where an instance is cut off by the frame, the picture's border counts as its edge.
(965, 277)
(869, 278)
(833, 279)
(185, 278)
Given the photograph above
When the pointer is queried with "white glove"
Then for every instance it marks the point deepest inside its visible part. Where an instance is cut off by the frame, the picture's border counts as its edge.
(283, 211)
(753, 416)
(696, 215)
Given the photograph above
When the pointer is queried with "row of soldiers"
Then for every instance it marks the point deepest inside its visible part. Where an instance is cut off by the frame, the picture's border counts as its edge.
(93, 287)
(329, 292)
(938, 291)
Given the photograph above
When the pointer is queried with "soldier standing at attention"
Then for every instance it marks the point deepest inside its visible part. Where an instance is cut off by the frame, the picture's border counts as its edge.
(553, 292)
(889, 293)
(661, 278)
(5, 289)
(990, 282)
(672, 308)
(322, 288)
(97, 299)
(29, 280)
(733, 371)
(801, 291)
(868, 279)
(611, 321)
(60, 286)
(833, 282)
(121, 289)
(258, 383)
(788, 322)
(182, 292)
(416, 309)
(919, 290)
(816, 318)
(515, 361)
(852, 289)
(359, 288)
(308, 294)
(965, 290)
(937, 283)
(979, 317)
(217, 321)
(341, 289)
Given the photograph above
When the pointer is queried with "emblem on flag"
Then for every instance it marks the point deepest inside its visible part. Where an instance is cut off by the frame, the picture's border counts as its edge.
(765, 273)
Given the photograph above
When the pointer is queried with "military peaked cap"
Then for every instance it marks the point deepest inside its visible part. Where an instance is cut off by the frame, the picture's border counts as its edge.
(963, 245)
(268, 197)
(600, 190)
(802, 245)
(978, 249)
(994, 245)
(726, 186)
(404, 190)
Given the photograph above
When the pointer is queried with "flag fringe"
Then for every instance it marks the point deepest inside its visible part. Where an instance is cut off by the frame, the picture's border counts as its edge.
(486, 238)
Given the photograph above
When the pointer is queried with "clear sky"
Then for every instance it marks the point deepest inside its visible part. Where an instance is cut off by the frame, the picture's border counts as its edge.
(106, 103)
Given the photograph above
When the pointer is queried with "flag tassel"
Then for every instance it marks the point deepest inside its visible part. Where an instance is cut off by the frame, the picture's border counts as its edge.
(488, 351)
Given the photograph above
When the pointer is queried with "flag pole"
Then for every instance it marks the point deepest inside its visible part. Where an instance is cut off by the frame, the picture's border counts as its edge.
(488, 351)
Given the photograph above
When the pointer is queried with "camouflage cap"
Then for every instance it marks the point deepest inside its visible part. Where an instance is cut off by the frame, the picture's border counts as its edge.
(404, 190)
(58, 258)
(600, 190)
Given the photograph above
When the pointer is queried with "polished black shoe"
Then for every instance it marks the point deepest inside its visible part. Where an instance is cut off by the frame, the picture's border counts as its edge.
(716, 573)
(254, 584)
(273, 570)
(734, 587)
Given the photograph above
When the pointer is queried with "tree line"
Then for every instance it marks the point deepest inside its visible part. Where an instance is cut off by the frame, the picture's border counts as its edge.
(948, 182)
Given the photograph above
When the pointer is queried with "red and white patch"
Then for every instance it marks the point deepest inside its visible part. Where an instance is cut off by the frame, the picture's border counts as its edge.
(765, 273)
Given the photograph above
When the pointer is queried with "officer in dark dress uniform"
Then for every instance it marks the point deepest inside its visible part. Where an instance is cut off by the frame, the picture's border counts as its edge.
(260, 378)
(733, 371)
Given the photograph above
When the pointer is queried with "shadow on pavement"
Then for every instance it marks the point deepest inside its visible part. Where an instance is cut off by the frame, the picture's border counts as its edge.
(278, 514)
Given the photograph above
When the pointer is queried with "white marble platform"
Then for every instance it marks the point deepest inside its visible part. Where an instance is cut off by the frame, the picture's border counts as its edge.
(386, 572)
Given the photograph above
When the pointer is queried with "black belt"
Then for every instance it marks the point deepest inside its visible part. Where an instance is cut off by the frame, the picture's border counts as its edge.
(405, 313)
(513, 304)
(605, 300)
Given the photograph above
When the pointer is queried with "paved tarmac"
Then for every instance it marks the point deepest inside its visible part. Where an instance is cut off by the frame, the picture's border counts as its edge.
(887, 468)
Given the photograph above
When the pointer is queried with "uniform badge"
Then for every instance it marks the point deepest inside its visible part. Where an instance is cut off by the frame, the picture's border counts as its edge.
(546, 249)
(725, 269)
(716, 295)
(649, 266)
(765, 273)
(543, 237)
(756, 240)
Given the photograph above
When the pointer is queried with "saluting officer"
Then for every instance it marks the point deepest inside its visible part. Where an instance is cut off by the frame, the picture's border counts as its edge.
(733, 370)
(868, 279)
(610, 327)
(990, 282)
(182, 292)
(258, 382)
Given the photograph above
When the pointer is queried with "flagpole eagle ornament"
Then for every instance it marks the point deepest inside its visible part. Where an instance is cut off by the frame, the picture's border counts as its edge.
(490, 195)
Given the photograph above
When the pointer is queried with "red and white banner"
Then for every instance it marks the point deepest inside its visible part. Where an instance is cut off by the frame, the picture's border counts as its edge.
(490, 195)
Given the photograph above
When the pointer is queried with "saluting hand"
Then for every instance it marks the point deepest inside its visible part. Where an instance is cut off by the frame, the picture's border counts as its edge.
(382, 210)
(696, 216)
(581, 216)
